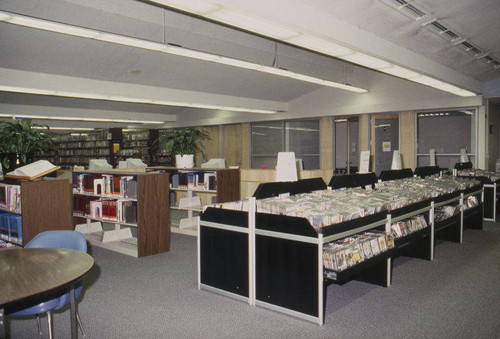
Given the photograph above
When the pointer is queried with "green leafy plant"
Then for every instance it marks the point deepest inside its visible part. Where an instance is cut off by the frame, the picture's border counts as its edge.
(19, 136)
(181, 141)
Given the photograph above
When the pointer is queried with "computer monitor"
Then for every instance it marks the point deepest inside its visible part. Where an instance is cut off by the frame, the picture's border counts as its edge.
(99, 164)
(214, 163)
(135, 163)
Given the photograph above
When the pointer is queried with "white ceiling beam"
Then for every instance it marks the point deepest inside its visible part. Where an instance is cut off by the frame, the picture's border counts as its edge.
(35, 110)
(302, 17)
(51, 82)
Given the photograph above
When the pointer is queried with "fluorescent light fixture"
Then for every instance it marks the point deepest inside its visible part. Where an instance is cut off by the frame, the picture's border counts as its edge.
(46, 117)
(130, 99)
(453, 89)
(168, 49)
(5, 16)
(302, 39)
(65, 128)
(320, 45)
(240, 64)
(400, 72)
(190, 53)
(79, 134)
(191, 6)
(132, 42)
(366, 60)
(253, 24)
(425, 80)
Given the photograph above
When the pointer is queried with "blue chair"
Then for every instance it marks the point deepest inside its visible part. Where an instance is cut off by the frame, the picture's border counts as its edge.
(56, 239)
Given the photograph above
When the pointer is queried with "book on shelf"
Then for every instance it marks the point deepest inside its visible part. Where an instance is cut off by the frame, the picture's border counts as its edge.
(350, 251)
(105, 184)
(10, 197)
(16, 229)
(109, 210)
(4, 226)
(33, 171)
(11, 228)
(194, 180)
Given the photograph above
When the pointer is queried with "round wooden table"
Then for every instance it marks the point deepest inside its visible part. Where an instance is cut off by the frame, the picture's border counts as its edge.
(26, 275)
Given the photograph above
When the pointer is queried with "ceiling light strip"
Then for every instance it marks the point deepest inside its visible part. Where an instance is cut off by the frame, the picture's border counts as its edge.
(219, 13)
(46, 117)
(129, 99)
(42, 24)
(64, 128)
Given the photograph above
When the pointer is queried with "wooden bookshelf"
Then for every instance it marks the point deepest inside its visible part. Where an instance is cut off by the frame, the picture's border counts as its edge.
(45, 206)
(227, 189)
(153, 221)
(139, 144)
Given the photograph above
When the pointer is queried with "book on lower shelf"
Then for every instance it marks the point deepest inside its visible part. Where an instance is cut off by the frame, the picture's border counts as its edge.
(11, 228)
(10, 197)
(342, 254)
(194, 180)
(408, 226)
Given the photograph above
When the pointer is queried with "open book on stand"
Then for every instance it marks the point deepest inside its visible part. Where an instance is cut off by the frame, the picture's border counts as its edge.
(33, 171)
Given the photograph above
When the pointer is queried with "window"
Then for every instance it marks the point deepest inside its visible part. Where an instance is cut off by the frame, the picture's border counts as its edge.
(446, 132)
(301, 137)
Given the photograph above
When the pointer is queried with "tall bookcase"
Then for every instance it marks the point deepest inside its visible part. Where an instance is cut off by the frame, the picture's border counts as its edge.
(112, 144)
(139, 144)
(45, 206)
(152, 224)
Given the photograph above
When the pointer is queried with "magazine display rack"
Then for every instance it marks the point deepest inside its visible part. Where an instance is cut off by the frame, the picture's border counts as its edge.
(276, 261)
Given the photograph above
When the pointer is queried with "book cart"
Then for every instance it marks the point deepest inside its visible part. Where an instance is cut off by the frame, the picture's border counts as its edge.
(35, 207)
(147, 209)
(276, 261)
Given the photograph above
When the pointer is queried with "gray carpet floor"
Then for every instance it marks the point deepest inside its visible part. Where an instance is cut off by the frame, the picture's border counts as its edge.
(455, 296)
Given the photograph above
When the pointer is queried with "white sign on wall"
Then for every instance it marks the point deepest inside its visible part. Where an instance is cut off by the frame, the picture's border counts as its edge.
(386, 146)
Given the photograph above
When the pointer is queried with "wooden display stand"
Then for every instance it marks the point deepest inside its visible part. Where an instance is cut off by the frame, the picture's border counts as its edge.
(45, 206)
(153, 223)
(227, 189)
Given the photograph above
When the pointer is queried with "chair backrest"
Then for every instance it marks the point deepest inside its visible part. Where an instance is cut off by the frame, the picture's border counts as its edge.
(71, 240)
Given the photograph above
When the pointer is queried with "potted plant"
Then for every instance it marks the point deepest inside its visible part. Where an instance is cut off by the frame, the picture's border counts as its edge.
(183, 143)
(19, 141)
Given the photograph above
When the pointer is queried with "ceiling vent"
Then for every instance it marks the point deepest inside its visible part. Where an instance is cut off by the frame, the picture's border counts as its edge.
(429, 21)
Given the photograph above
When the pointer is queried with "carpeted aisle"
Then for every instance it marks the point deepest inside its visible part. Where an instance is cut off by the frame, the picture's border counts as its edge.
(457, 295)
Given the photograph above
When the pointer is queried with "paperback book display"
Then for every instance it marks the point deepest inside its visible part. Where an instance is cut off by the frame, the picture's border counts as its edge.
(325, 208)
(474, 172)
(408, 226)
(342, 254)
